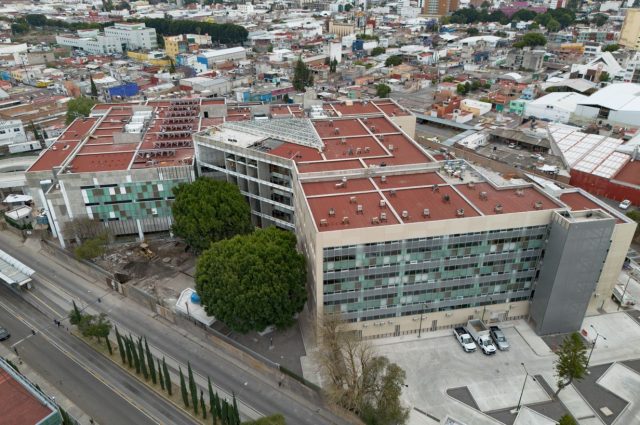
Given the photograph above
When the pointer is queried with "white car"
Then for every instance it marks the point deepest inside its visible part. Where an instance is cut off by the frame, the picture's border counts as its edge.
(624, 204)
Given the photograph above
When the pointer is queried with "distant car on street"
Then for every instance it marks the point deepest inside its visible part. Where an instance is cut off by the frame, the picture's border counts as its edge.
(4, 334)
(498, 337)
(624, 204)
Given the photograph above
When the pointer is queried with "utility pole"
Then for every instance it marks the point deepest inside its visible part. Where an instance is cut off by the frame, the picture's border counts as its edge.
(424, 307)
(594, 345)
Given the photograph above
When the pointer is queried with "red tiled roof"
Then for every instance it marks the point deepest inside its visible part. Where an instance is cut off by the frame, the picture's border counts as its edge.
(19, 406)
(297, 153)
(511, 200)
(337, 187)
(54, 156)
(312, 167)
(101, 162)
(630, 173)
(578, 202)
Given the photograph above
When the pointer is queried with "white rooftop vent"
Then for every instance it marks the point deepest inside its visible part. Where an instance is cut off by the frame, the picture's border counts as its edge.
(537, 205)
(383, 179)
(405, 214)
(324, 222)
(353, 200)
(375, 220)
(383, 216)
(391, 147)
(345, 220)
(332, 212)
(471, 185)
(426, 212)
(520, 192)
(484, 196)
(460, 212)
(383, 203)
(360, 209)
(498, 208)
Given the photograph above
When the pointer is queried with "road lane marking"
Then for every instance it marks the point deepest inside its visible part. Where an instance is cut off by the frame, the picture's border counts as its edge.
(79, 363)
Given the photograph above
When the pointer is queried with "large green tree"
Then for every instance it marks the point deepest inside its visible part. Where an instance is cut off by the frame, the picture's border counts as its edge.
(302, 76)
(253, 281)
(393, 60)
(36, 20)
(571, 364)
(207, 211)
(381, 405)
(531, 39)
(383, 90)
(79, 107)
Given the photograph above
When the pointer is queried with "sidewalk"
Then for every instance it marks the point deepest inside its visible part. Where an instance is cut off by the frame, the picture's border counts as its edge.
(47, 387)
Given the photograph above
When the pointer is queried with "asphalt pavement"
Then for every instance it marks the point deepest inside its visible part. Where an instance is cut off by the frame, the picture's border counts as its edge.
(101, 389)
(55, 286)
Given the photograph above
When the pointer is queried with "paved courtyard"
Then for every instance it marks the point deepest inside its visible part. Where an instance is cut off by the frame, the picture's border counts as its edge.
(436, 365)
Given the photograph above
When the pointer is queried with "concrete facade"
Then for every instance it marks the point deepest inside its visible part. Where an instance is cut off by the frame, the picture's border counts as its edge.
(630, 33)
(574, 257)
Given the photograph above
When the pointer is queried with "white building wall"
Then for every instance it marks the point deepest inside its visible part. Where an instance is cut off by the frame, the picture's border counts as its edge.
(547, 112)
(12, 132)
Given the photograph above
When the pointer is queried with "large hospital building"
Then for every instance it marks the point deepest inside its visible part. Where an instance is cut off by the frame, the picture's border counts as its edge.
(395, 238)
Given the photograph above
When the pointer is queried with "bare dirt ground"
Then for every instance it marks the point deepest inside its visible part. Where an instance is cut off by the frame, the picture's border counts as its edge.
(161, 267)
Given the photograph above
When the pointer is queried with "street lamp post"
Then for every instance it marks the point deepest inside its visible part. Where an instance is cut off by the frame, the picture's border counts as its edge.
(624, 292)
(484, 308)
(424, 306)
(598, 335)
(523, 385)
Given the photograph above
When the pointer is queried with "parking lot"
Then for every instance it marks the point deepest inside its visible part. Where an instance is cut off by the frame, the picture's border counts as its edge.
(436, 363)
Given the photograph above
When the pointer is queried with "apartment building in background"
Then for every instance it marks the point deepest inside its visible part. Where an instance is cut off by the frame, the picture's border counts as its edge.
(91, 41)
(440, 7)
(395, 238)
(133, 36)
(630, 32)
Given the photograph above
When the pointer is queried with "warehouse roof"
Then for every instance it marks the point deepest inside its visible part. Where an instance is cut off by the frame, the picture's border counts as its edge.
(619, 97)
(589, 153)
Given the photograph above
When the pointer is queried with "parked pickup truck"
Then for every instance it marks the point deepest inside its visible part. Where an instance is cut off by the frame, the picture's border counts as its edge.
(498, 337)
(464, 339)
(480, 334)
(621, 297)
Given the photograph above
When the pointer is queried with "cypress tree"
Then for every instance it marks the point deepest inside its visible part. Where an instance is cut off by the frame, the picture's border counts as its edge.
(167, 377)
(183, 389)
(123, 355)
(211, 398)
(218, 407)
(94, 88)
(143, 365)
(150, 362)
(236, 413)
(160, 377)
(76, 315)
(128, 350)
(134, 353)
(225, 413)
(193, 389)
(203, 407)
(108, 345)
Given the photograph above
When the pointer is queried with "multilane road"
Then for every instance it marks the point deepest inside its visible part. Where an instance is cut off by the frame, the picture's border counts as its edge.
(56, 286)
(96, 385)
